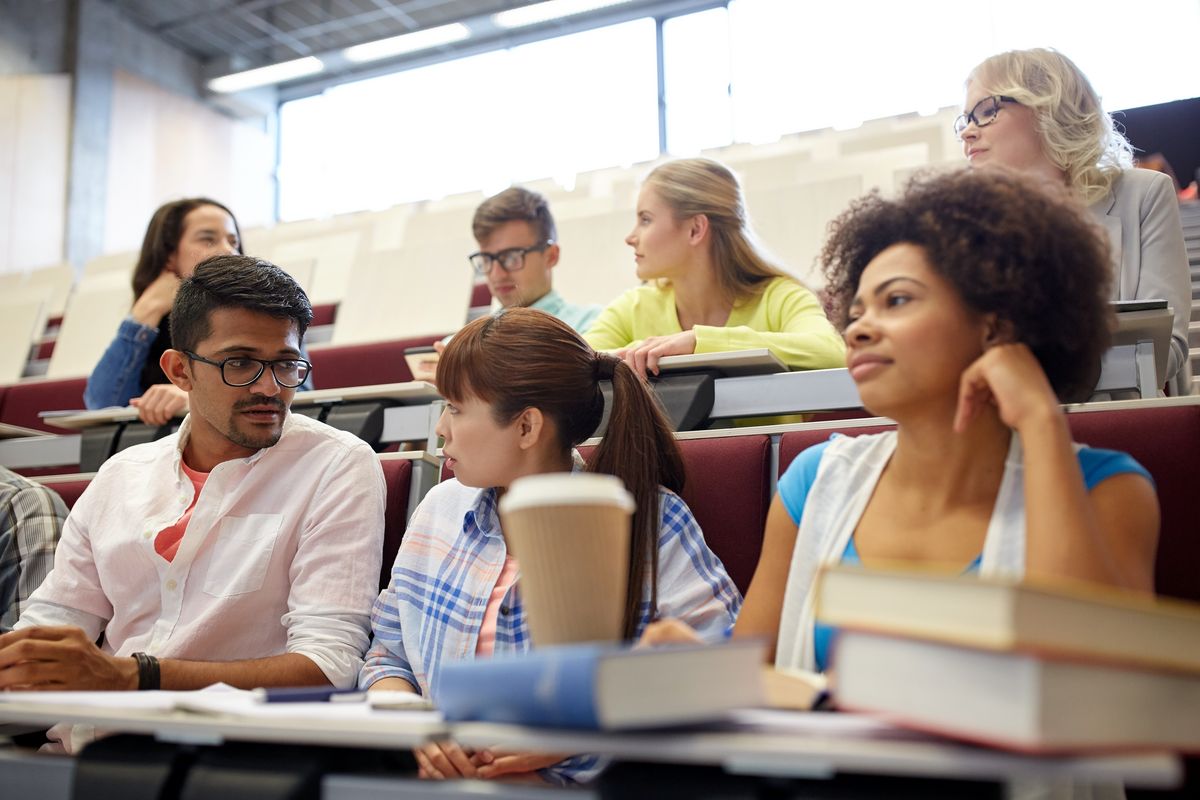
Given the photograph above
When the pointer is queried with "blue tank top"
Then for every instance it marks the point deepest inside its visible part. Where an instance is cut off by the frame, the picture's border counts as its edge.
(1096, 465)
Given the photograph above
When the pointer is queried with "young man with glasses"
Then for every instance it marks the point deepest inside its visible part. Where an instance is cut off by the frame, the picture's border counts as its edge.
(244, 548)
(518, 248)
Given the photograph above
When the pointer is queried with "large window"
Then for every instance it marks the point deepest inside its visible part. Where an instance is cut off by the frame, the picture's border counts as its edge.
(548, 109)
(748, 72)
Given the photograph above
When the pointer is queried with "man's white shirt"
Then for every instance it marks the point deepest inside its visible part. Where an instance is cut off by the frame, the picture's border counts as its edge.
(282, 553)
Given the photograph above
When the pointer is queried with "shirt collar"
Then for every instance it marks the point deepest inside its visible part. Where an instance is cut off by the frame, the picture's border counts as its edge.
(484, 512)
(185, 431)
(551, 302)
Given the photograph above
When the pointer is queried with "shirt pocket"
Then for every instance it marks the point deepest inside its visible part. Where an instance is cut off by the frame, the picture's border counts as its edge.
(241, 554)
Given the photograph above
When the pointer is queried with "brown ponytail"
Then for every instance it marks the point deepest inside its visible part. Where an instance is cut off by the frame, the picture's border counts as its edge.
(640, 450)
(524, 358)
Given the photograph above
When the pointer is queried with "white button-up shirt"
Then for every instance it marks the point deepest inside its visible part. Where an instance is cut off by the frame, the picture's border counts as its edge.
(281, 555)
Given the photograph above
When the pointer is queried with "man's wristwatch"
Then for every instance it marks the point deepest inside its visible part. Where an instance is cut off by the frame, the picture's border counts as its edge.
(148, 675)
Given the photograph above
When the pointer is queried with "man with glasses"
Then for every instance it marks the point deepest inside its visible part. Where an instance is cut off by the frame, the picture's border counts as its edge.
(518, 247)
(244, 548)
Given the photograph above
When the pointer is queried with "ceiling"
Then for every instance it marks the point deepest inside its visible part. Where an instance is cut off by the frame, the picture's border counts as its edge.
(267, 31)
(231, 35)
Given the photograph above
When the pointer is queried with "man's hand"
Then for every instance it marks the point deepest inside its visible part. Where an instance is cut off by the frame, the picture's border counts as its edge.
(61, 659)
(161, 403)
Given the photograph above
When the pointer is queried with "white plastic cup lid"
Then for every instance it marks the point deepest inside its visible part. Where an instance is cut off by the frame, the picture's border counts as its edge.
(566, 489)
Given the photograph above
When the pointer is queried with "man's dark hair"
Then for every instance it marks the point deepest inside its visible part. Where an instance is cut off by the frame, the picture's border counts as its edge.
(233, 281)
(1011, 245)
(514, 204)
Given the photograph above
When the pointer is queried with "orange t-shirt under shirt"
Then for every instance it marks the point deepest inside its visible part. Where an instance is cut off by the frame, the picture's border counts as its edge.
(166, 543)
(491, 615)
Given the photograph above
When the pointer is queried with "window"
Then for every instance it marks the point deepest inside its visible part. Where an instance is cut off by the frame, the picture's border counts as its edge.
(548, 109)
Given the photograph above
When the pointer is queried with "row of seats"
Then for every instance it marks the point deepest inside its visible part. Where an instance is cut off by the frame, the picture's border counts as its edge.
(731, 479)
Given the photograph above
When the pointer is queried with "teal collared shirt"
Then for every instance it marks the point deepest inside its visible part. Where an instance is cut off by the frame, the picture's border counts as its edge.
(578, 317)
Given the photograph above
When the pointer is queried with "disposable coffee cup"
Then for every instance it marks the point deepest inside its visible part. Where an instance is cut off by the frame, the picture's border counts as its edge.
(570, 535)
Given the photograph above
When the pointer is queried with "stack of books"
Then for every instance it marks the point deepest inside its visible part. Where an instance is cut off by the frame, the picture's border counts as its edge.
(1025, 667)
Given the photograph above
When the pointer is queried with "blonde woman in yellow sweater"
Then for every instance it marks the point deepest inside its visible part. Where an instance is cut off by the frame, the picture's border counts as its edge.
(708, 288)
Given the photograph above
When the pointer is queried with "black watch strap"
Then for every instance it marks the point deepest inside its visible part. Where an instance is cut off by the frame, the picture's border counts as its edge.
(148, 675)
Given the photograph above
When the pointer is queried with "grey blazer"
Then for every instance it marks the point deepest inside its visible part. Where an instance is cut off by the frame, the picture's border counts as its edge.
(1141, 216)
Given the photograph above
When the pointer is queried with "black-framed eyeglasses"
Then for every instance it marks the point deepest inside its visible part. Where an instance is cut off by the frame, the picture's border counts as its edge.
(510, 260)
(289, 373)
(983, 114)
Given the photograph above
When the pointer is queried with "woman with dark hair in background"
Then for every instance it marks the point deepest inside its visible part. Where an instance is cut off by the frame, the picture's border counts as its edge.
(181, 234)
(522, 390)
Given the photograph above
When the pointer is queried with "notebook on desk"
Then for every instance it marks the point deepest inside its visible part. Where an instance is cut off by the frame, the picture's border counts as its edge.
(731, 364)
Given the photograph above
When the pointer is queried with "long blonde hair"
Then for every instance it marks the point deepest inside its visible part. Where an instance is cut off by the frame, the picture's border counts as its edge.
(1077, 134)
(694, 186)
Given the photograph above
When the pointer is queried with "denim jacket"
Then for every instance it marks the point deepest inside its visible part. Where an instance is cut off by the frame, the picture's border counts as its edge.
(116, 379)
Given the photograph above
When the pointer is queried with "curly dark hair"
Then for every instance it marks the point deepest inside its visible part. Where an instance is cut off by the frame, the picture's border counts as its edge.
(1011, 245)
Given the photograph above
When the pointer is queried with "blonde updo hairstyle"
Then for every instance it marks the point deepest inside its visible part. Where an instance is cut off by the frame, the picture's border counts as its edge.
(1078, 135)
(695, 186)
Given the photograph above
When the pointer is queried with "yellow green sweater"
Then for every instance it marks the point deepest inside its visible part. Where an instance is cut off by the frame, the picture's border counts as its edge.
(786, 318)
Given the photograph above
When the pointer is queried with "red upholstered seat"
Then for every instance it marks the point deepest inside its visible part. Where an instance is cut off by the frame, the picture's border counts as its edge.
(481, 295)
(324, 314)
(1166, 441)
(23, 401)
(397, 477)
(728, 491)
(363, 364)
(70, 489)
(45, 349)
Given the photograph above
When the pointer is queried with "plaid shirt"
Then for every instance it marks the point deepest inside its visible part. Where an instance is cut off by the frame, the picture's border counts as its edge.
(31, 520)
(448, 564)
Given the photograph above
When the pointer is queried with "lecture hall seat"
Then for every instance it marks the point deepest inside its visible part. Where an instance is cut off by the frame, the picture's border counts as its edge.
(341, 366)
(23, 401)
(1166, 441)
(397, 477)
(728, 490)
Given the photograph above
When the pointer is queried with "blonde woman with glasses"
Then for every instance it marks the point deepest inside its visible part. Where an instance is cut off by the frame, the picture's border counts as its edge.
(1036, 112)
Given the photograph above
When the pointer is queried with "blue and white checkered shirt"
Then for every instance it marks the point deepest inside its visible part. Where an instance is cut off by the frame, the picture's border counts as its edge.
(449, 562)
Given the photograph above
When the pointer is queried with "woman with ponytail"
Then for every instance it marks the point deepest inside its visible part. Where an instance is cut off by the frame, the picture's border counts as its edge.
(522, 390)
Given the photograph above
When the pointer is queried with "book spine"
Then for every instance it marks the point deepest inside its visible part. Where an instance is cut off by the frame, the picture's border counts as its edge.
(550, 688)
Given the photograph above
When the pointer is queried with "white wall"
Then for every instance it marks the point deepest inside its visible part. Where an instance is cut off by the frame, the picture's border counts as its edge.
(164, 146)
(34, 130)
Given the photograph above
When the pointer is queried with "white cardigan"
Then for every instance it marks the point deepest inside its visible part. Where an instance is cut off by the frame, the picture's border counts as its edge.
(846, 477)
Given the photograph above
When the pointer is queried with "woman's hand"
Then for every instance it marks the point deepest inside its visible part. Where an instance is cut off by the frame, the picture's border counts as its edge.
(161, 403)
(443, 760)
(668, 631)
(643, 357)
(1009, 377)
(496, 762)
(156, 300)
